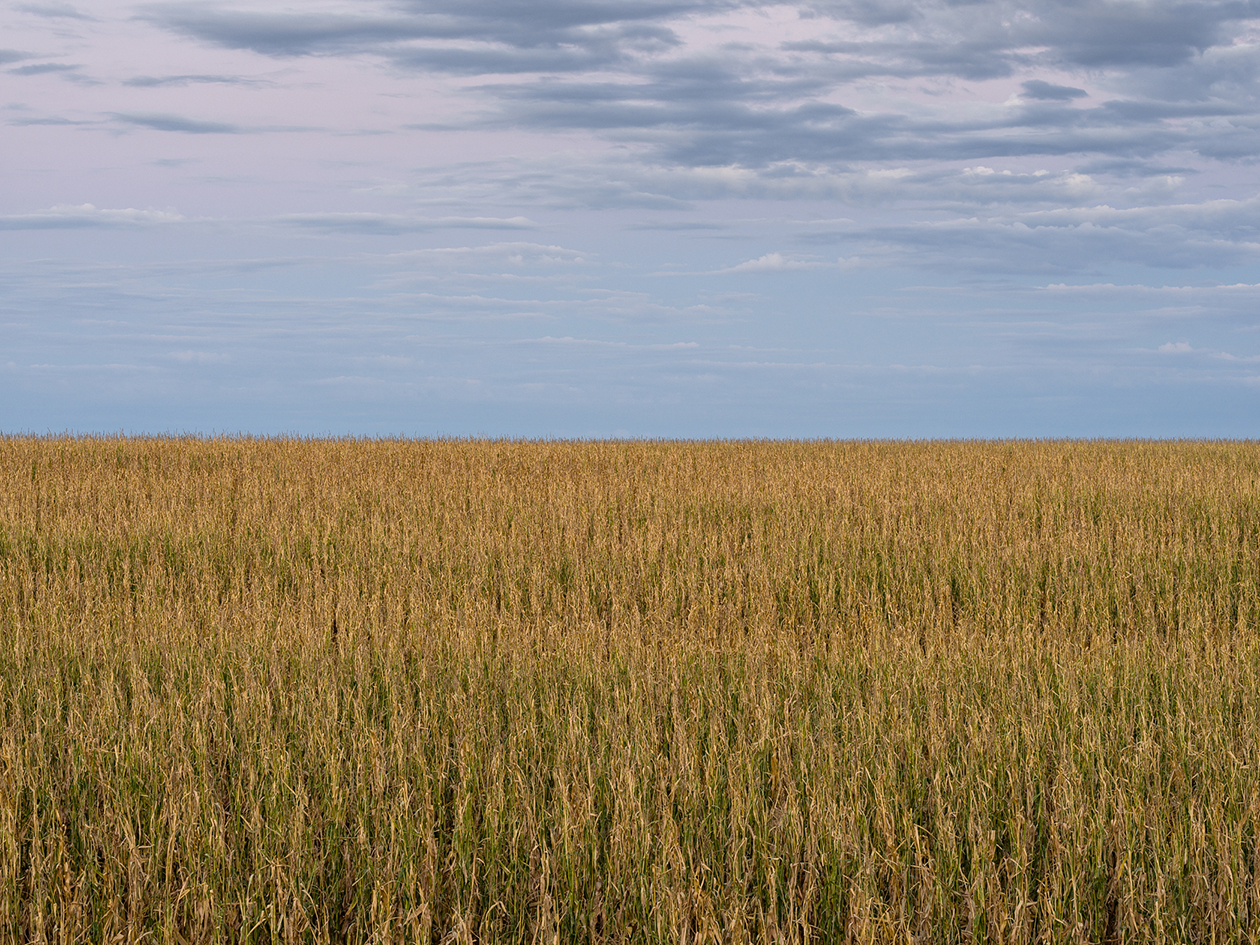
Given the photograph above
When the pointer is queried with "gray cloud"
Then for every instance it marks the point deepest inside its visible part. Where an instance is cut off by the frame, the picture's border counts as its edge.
(595, 53)
(163, 122)
(168, 81)
(386, 224)
(681, 124)
(1065, 240)
(992, 248)
(53, 11)
(1124, 167)
(1234, 220)
(517, 253)
(160, 121)
(869, 12)
(284, 34)
(678, 226)
(51, 120)
(1036, 88)
(87, 216)
(12, 55)
(760, 108)
(177, 122)
(1082, 33)
(472, 37)
(42, 68)
(628, 181)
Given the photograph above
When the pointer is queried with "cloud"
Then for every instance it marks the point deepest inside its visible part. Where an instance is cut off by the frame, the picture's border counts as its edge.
(625, 72)
(1129, 167)
(678, 225)
(469, 37)
(42, 69)
(386, 224)
(199, 357)
(512, 253)
(990, 247)
(281, 34)
(165, 122)
(1235, 220)
(1175, 347)
(1001, 34)
(638, 181)
(600, 343)
(1036, 88)
(47, 120)
(1065, 239)
(1245, 292)
(978, 145)
(777, 262)
(160, 121)
(169, 81)
(52, 11)
(720, 116)
(772, 262)
(86, 216)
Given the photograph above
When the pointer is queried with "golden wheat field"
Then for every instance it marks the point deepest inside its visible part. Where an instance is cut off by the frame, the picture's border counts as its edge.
(496, 691)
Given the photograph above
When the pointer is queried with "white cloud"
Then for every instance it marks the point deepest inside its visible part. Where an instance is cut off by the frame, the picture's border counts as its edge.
(778, 262)
(85, 216)
(391, 224)
(515, 254)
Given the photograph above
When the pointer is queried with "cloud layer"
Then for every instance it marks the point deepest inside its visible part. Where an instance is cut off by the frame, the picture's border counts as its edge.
(698, 217)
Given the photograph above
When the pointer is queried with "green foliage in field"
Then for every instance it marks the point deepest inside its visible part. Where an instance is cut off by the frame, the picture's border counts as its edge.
(469, 691)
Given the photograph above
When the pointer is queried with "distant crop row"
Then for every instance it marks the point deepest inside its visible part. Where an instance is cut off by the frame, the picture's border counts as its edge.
(493, 691)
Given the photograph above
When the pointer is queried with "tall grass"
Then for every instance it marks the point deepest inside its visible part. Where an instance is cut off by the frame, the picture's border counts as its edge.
(478, 691)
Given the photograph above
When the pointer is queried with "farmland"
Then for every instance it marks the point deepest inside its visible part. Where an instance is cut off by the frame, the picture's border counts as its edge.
(284, 690)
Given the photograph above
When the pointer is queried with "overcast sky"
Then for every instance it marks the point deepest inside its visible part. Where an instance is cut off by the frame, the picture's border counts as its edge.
(631, 217)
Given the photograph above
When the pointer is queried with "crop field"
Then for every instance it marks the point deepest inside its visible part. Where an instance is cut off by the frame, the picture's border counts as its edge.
(283, 690)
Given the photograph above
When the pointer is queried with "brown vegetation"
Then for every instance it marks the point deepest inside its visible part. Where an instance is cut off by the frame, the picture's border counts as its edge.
(309, 691)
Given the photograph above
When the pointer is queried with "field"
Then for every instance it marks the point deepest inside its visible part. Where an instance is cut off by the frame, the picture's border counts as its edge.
(492, 691)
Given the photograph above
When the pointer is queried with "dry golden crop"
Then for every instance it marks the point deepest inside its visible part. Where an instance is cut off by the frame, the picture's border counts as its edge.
(494, 691)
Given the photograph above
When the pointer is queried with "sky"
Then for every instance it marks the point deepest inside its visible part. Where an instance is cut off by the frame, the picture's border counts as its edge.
(631, 218)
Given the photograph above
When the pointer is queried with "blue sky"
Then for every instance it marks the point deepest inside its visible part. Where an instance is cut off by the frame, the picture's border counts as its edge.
(695, 218)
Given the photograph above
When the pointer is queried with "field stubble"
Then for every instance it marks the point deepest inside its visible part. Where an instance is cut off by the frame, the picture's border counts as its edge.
(479, 691)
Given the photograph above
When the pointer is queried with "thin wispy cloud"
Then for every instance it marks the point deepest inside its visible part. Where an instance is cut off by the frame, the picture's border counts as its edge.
(178, 123)
(86, 216)
(393, 224)
(48, 120)
(776, 263)
(181, 124)
(42, 68)
(176, 81)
